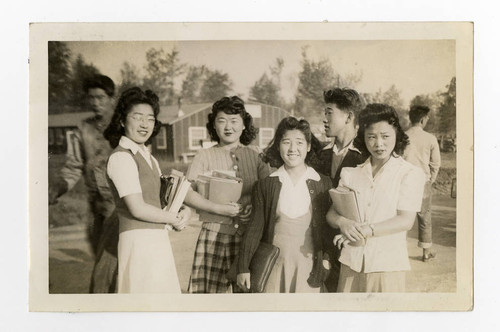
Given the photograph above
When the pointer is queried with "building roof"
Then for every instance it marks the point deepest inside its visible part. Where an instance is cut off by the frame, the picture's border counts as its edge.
(169, 114)
(68, 119)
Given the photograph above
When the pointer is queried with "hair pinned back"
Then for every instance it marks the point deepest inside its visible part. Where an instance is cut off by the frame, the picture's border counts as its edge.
(128, 99)
(374, 113)
(232, 105)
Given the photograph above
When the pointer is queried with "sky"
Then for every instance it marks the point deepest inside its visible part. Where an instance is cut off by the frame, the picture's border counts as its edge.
(413, 66)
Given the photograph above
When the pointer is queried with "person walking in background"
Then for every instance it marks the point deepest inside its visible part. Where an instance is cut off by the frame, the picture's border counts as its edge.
(342, 107)
(88, 159)
(231, 126)
(289, 209)
(389, 192)
(145, 259)
(423, 151)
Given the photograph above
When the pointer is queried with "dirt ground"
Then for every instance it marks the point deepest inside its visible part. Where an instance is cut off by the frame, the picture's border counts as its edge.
(71, 257)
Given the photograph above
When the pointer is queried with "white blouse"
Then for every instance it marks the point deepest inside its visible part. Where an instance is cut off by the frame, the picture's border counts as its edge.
(398, 185)
(123, 171)
(294, 200)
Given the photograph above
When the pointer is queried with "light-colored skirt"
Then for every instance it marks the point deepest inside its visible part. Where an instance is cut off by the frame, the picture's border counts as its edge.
(295, 262)
(351, 281)
(146, 262)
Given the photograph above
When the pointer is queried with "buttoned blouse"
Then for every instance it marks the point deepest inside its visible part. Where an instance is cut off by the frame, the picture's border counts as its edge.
(123, 171)
(398, 185)
(294, 200)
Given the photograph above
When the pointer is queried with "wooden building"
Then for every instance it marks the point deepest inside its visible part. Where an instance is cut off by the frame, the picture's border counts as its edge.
(183, 130)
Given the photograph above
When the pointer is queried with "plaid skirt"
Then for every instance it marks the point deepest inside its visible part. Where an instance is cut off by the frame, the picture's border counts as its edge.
(213, 256)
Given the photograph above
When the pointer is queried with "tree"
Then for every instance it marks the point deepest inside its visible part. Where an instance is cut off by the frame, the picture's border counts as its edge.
(191, 85)
(59, 70)
(448, 109)
(130, 77)
(314, 78)
(81, 72)
(267, 89)
(161, 71)
(215, 86)
(391, 97)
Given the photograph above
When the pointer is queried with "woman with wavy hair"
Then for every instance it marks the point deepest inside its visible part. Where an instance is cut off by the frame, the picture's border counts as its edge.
(145, 260)
(289, 209)
(231, 126)
(389, 191)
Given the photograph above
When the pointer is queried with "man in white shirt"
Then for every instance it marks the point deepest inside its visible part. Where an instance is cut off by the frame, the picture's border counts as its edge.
(423, 151)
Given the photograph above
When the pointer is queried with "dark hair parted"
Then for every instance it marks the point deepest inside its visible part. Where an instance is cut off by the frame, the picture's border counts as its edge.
(374, 113)
(128, 99)
(100, 82)
(347, 100)
(417, 112)
(272, 154)
(232, 105)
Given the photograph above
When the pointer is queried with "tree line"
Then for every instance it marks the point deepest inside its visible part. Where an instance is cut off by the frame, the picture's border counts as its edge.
(202, 84)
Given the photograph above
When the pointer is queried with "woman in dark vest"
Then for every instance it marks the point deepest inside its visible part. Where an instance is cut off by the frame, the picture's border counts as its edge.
(145, 260)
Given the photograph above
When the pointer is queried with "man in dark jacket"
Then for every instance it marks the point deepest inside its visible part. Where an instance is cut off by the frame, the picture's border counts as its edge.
(342, 107)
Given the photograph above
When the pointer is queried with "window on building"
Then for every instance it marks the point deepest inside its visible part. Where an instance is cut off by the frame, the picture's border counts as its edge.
(51, 136)
(59, 135)
(161, 138)
(196, 136)
(265, 136)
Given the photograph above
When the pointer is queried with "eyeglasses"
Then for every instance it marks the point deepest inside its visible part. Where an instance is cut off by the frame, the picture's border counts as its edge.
(141, 118)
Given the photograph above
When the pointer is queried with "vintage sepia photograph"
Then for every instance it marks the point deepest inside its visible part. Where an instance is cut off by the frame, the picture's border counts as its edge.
(251, 167)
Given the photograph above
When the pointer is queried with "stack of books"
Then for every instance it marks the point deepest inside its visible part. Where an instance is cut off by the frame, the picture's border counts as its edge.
(173, 190)
(218, 187)
(345, 203)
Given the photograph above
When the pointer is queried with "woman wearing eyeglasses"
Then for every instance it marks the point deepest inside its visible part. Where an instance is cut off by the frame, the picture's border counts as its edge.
(145, 260)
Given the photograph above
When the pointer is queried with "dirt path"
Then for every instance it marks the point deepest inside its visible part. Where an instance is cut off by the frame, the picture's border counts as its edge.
(71, 258)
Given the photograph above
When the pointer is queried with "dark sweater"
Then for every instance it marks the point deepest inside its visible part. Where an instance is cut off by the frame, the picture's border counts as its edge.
(265, 198)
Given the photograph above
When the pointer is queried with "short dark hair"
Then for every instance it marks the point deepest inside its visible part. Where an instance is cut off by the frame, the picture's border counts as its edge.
(100, 82)
(346, 100)
(272, 154)
(232, 105)
(374, 113)
(128, 99)
(417, 112)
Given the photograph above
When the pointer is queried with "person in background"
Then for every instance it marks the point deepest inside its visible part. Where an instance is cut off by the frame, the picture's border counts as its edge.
(289, 209)
(231, 126)
(389, 192)
(145, 259)
(423, 151)
(342, 108)
(88, 159)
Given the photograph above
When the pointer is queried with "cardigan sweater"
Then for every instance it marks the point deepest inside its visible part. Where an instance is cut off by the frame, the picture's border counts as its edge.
(265, 198)
(150, 185)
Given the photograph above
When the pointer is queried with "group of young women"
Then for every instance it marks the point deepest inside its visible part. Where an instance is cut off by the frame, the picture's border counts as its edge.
(284, 202)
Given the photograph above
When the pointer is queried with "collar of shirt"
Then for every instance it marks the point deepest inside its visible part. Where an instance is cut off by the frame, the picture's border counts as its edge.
(294, 200)
(127, 143)
(333, 147)
(390, 164)
(310, 173)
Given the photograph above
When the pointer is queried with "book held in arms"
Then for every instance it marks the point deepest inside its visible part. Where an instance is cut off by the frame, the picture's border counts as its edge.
(345, 203)
(173, 190)
(218, 187)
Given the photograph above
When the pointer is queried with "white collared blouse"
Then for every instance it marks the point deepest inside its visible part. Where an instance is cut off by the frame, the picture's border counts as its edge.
(398, 185)
(123, 171)
(294, 200)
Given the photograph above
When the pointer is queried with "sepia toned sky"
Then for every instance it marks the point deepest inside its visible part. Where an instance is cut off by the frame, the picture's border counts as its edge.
(414, 66)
